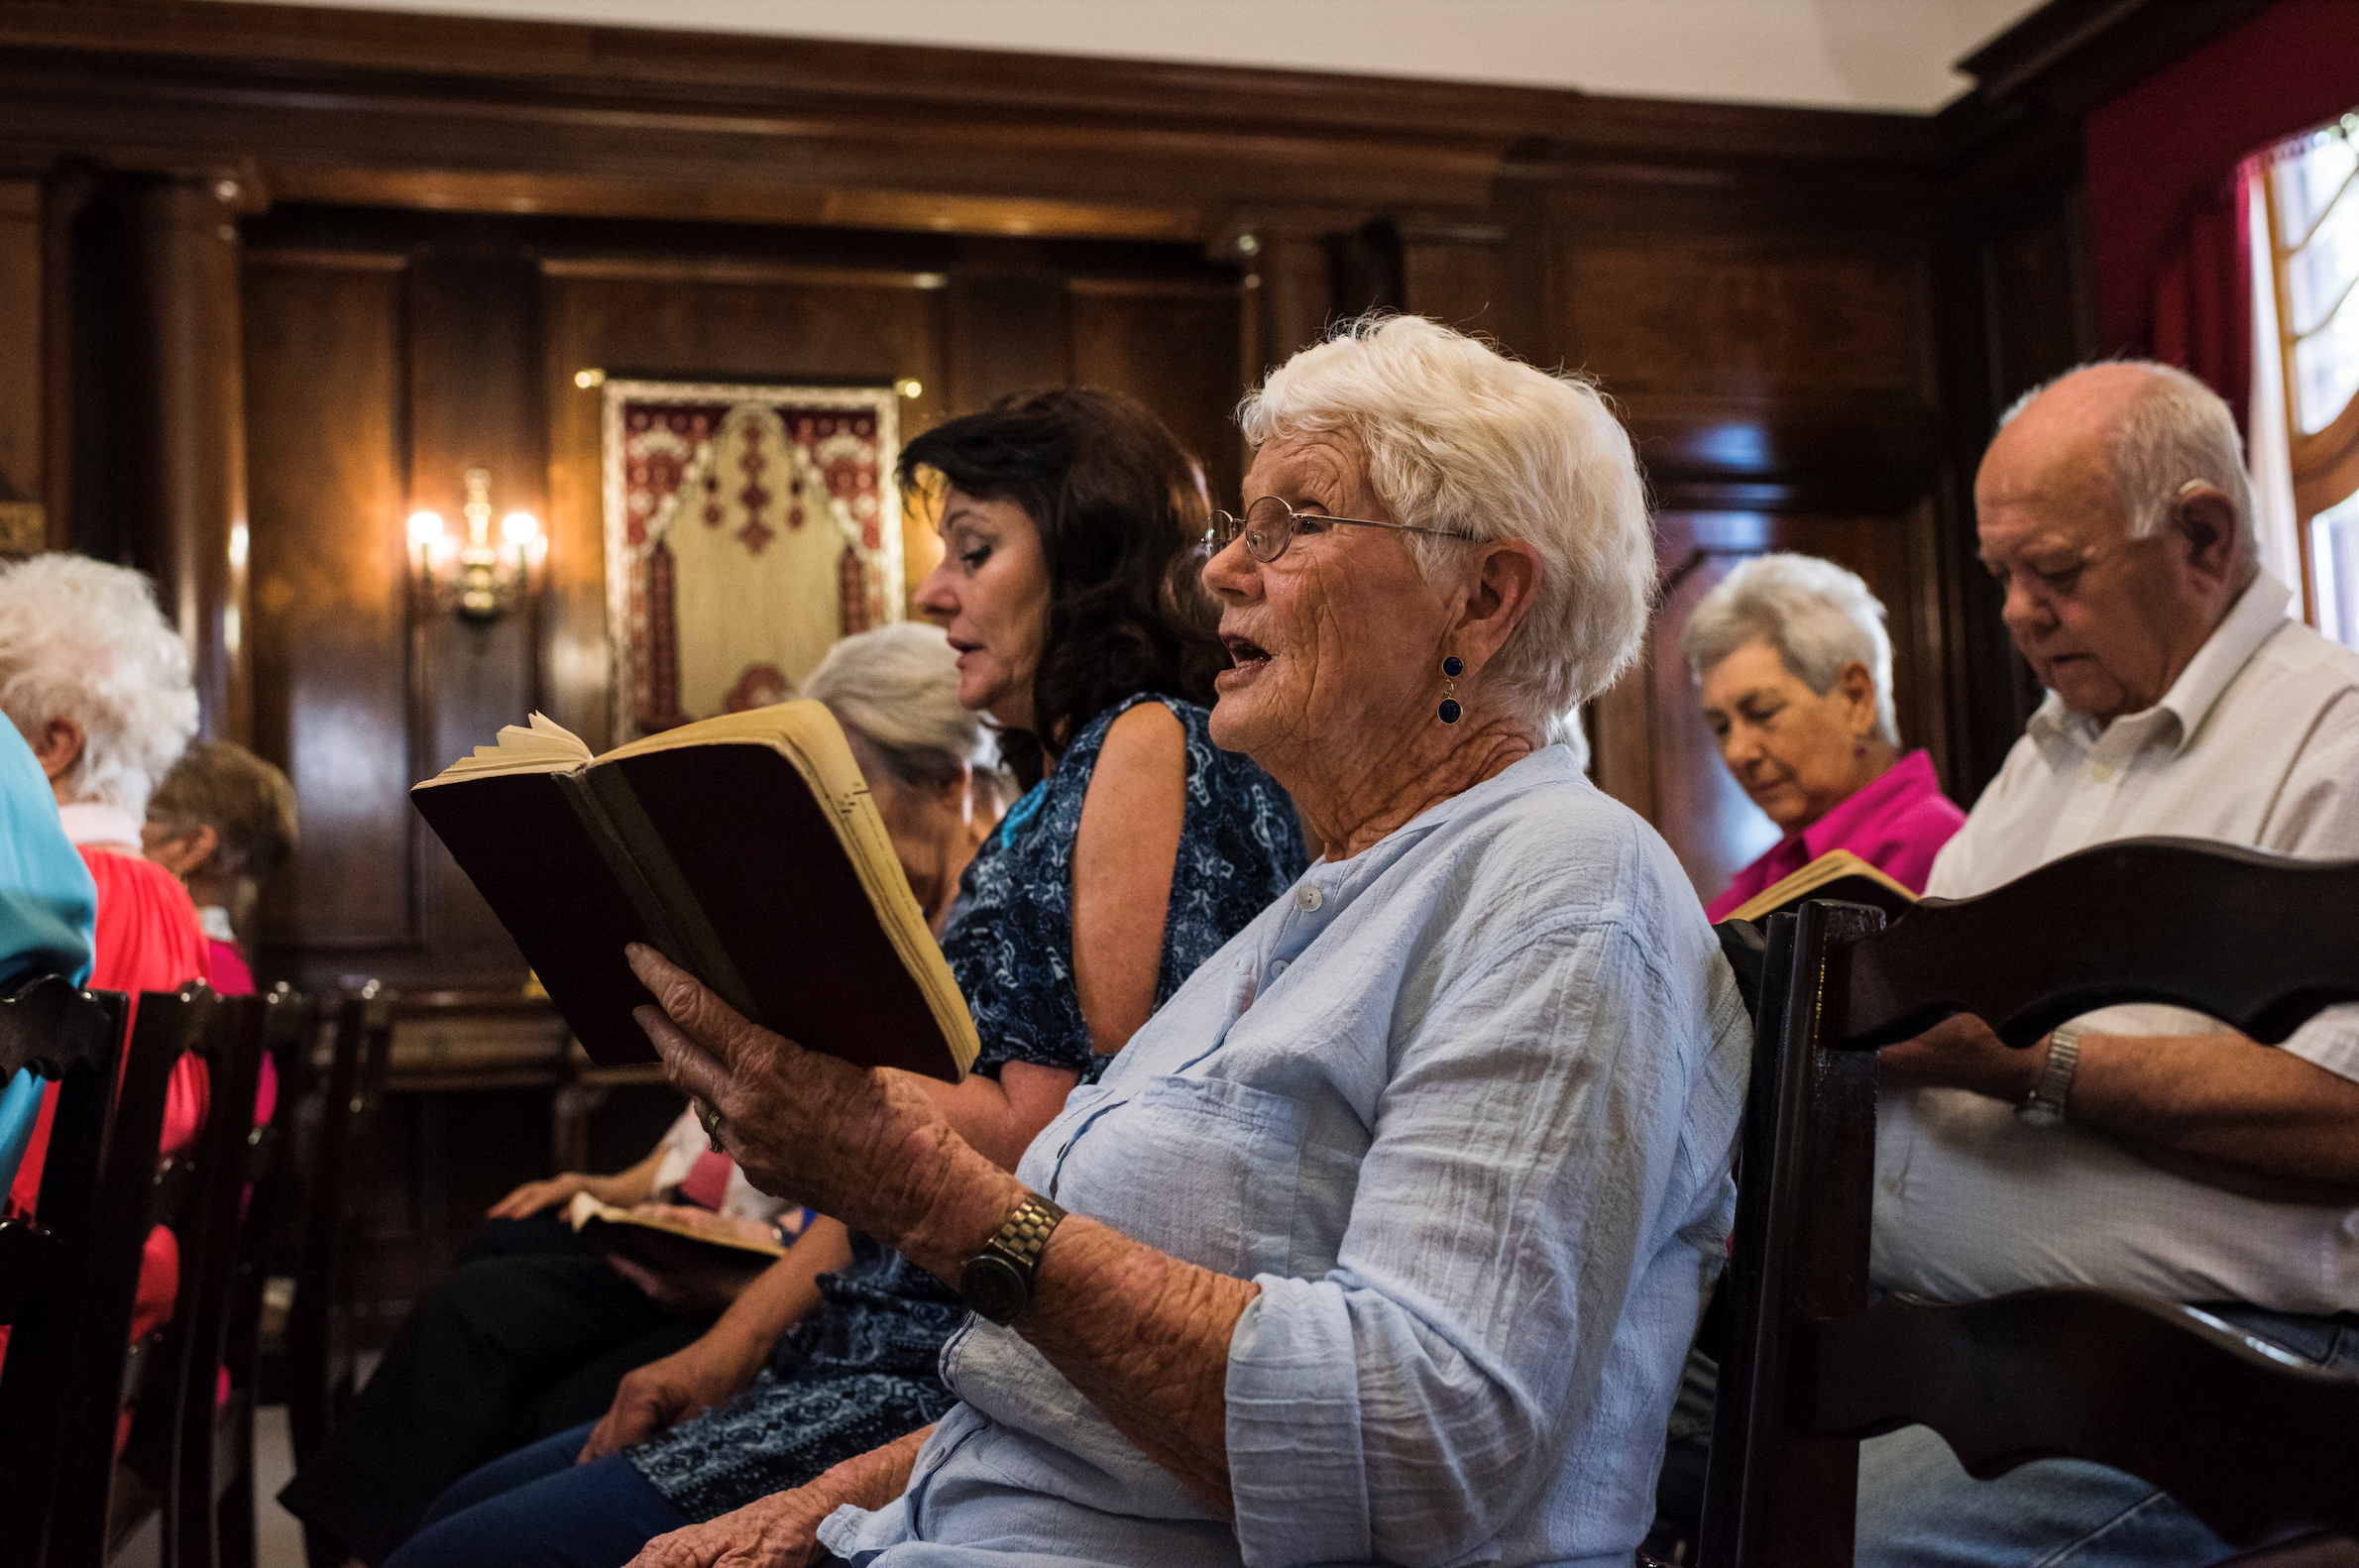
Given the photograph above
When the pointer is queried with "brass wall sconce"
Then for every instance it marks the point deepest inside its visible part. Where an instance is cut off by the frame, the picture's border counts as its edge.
(482, 578)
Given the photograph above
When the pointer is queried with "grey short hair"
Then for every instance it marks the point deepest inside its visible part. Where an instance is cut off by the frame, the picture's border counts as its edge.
(898, 686)
(1816, 616)
(2176, 429)
(83, 640)
(1463, 438)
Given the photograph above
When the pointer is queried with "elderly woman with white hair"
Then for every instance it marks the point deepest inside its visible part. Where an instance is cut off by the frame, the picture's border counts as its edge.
(1383, 1238)
(97, 682)
(1796, 672)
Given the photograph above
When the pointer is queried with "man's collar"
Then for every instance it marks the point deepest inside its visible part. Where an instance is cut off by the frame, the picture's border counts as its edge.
(2258, 612)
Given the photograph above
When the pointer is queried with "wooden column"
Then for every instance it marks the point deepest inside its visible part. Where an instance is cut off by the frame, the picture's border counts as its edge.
(474, 402)
(23, 529)
(1290, 292)
(188, 523)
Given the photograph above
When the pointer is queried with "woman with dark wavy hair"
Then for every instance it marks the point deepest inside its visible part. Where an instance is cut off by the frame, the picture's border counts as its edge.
(1117, 512)
(1068, 587)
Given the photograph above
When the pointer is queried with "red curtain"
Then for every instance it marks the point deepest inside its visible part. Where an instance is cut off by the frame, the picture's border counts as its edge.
(2201, 316)
(2167, 222)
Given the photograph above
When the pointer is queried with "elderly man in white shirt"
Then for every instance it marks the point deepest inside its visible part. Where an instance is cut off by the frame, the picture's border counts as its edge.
(2139, 1148)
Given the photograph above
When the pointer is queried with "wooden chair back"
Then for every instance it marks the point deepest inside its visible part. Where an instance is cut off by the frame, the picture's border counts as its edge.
(72, 1038)
(62, 1392)
(195, 1196)
(214, 1492)
(319, 1339)
(75, 1040)
(2252, 1445)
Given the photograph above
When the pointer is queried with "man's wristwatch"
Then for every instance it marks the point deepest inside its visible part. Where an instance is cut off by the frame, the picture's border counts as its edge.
(2044, 1106)
(997, 1281)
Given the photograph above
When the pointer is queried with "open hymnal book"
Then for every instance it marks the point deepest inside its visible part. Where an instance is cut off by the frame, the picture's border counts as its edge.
(745, 849)
(1837, 875)
(625, 1229)
(686, 1260)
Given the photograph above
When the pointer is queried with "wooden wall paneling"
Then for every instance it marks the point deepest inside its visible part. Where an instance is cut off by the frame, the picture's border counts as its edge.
(639, 317)
(2018, 310)
(189, 483)
(1289, 294)
(24, 523)
(2040, 317)
(1524, 264)
(1677, 317)
(66, 191)
(779, 130)
(1453, 273)
(327, 411)
(1767, 341)
(1781, 383)
(1174, 347)
(1007, 332)
(475, 401)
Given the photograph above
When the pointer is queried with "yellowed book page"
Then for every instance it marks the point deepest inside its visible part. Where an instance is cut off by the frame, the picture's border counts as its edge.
(807, 735)
(542, 746)
(585, 1209)
(1833, 866)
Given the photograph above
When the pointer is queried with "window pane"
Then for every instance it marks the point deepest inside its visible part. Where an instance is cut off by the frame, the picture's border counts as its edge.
(2334, 569)
(2318, 275)
(2307, 181)
(2327, 368)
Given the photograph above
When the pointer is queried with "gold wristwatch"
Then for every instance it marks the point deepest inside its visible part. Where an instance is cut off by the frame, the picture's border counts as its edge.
(996, 1283)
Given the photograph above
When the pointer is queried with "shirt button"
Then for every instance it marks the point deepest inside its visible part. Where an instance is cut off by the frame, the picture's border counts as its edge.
(1276, 969)
(1308, 898)
(2100, 772)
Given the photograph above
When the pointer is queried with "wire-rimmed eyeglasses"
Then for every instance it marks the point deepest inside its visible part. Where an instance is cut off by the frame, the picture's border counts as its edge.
(1269, 526)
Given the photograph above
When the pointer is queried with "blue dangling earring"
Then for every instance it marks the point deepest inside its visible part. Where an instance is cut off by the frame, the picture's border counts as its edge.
(1451, 669)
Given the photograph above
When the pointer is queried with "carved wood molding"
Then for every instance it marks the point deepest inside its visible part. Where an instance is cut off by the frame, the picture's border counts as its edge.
(496, 115)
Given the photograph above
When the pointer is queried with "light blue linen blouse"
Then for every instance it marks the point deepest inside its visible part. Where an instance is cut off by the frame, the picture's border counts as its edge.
(1462, 1105)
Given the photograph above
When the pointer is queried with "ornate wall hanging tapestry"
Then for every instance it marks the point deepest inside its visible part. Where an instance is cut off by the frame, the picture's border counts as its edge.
(747, 528)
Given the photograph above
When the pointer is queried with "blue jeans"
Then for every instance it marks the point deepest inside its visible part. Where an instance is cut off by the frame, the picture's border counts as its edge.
(1919, 1509)
(537, 1509)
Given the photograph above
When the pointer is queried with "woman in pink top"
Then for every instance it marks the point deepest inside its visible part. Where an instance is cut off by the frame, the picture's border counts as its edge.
(1796, 672)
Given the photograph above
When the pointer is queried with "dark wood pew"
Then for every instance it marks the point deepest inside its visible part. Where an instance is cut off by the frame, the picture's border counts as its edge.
(2255, 1448)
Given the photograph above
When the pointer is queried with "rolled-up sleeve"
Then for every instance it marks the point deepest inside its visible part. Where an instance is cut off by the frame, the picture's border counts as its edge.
(1407, 1404)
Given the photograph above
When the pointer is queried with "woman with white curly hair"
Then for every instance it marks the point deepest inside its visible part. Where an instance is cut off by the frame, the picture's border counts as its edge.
(97, 683)
(1388, 1232)
(1795, 669)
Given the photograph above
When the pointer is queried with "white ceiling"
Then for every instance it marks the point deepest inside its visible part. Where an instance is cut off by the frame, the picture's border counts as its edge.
(1827, 54)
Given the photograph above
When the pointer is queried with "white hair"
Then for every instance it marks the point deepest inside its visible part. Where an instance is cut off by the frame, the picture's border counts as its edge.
(2176, 429)
(1459, 437)
(898, 686)
(83, 640)
(1816, 616)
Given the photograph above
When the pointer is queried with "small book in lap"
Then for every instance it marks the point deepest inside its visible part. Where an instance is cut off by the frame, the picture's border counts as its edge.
(745, 849)
(1837, 875)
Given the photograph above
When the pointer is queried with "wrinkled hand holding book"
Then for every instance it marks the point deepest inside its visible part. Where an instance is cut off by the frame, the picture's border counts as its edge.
(862, 1145)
